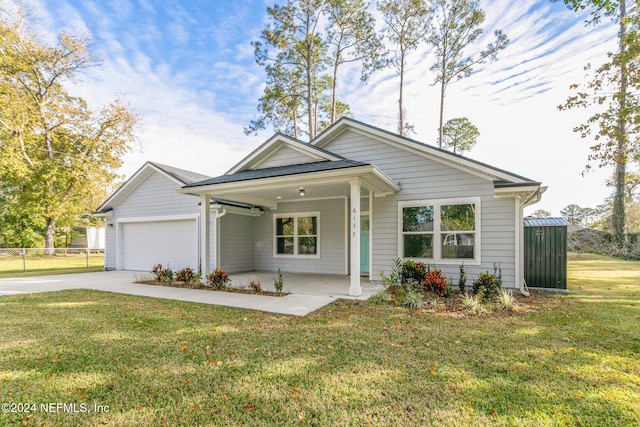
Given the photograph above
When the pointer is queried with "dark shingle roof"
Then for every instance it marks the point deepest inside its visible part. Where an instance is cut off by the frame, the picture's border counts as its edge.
(280, 171)
(182, 175)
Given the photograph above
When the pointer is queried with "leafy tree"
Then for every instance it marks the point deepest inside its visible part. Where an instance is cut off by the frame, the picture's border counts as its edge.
(352, 36)
(459, 135)
(573, 214)
(541, 213)
(58, 154)
(406, 26)
(455, 26)
(615, 126)
(298, 58)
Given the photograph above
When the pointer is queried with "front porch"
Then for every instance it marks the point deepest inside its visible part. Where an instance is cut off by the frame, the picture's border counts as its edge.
(332, 285)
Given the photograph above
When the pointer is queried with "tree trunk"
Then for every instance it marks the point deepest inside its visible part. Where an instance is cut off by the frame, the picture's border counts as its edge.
(441, 127)
(334, 90)
(400, 112)
(49, 233)
(618, 215)
(310, 102)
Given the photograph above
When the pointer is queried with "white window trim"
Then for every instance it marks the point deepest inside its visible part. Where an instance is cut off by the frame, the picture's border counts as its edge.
(295, 215)
(437, 233)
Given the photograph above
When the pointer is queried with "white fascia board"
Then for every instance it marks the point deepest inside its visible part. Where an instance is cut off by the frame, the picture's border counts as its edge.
(480, 170)
(327, 177)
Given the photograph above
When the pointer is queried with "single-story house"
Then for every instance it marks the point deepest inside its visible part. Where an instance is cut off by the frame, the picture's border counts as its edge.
(349, 202)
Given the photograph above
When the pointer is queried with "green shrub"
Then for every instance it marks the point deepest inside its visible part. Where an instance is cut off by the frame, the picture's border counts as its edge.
(411, 298)
(218, 279)
(486, 285)
(278, 282)
(255, 285)
(162, 274)
(394, 276)
(507, 300)
(462, 279)
(413, 270)
(379, 297)
(187, 276)
(473, 304)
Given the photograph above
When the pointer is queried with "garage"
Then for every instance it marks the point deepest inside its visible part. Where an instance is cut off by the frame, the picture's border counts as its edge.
(172, 243)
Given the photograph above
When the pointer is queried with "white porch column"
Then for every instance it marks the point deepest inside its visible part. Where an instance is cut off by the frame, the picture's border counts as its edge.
(354, 238)
(205, 246)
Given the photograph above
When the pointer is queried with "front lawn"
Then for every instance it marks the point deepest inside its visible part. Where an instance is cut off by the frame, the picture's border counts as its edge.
(60, 263)
(564, 360)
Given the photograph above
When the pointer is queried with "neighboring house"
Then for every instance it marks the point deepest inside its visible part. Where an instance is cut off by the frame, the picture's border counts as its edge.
(349, 202)
(87, 237)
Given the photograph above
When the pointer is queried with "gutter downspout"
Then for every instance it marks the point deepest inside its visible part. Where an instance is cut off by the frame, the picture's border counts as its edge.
(531, 199)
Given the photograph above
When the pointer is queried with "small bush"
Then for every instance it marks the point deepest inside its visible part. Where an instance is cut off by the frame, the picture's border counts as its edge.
(218, 279)
(436, 303)
(187, 276)
(256, 286)
(486, 285)
(278, 282)
(436, 282)
(507, 300)
(162, 274)
(473, 304)
(379, 297)
(413, 270)
(411, 298)
(462, 279)
(394, 276)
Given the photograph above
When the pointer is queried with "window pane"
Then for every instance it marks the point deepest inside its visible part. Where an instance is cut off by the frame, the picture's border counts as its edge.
(307, 226)
(418, 218)
(285, 245)
(458, 245)
(458, 217)
(307, 246)
(418, 245)
(284, 226)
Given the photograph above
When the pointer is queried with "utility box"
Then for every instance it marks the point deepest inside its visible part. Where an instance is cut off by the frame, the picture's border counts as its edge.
(545, 253)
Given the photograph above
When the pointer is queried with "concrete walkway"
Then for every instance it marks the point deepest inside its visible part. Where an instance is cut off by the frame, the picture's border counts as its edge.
(296, 304)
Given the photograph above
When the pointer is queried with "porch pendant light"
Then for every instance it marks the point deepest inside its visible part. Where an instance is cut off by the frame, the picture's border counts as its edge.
(301, 191)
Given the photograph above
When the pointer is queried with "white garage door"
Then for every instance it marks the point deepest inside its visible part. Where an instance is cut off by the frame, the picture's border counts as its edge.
(173, 244)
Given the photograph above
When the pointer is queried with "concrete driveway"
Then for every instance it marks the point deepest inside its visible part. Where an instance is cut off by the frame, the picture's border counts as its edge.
(296, 304)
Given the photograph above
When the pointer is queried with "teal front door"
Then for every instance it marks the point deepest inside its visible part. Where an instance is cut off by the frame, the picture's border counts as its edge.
(364, 245)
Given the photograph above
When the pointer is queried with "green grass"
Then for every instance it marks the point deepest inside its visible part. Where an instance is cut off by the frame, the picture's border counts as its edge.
(561, 360)
(14, 266)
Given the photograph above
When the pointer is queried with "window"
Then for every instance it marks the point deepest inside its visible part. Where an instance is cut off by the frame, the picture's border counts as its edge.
(439, 230)
(296, 234)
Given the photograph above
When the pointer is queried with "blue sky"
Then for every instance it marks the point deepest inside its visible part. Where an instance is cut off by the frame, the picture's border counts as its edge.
(187, 68)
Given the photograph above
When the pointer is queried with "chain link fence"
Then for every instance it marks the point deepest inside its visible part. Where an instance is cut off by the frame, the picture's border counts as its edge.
(18, 260)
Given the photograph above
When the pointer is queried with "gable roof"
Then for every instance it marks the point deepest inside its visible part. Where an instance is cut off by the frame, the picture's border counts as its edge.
(277, 142)
(458, 161)
(278, 171)
(181, 177)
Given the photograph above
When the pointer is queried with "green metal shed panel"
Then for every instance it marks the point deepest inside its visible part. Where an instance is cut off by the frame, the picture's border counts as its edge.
(545, 253)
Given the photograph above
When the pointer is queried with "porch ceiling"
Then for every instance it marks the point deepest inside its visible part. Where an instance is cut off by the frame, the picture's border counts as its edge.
(267, 192)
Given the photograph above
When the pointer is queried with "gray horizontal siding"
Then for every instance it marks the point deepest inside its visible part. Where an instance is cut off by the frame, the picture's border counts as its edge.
(423, 178)
(110, 246)
(285, 156)
(156, 196)
(331, 239)
(236, 235)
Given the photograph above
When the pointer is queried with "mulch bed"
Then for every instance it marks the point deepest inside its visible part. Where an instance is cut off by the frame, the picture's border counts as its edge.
(207, 288)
